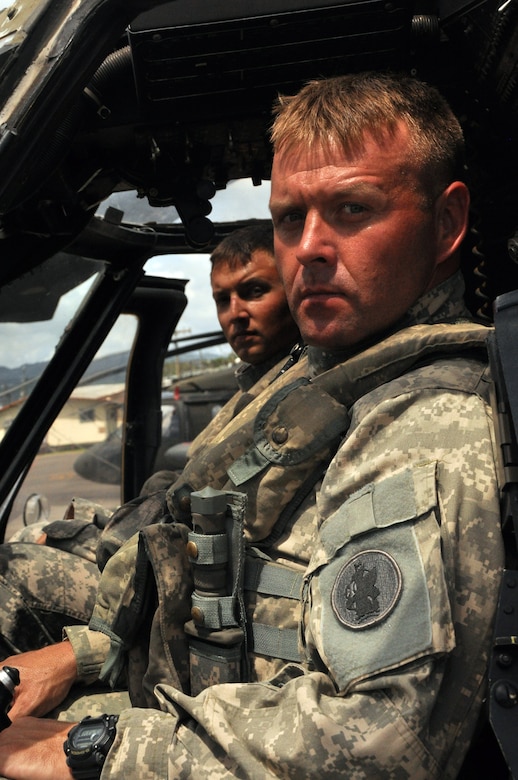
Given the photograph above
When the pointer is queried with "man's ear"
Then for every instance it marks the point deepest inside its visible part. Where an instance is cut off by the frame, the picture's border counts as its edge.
(452, 214)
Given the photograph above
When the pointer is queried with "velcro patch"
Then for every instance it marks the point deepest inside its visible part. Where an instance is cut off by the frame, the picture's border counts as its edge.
(367, 589)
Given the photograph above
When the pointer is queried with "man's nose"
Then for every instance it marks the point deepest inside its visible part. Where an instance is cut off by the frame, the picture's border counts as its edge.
(316, 241)
(238, 308)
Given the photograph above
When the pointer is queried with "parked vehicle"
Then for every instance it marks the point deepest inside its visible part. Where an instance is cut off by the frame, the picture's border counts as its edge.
(186, 411)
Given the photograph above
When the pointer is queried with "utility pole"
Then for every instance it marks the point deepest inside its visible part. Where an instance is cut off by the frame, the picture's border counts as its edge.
(176, 335)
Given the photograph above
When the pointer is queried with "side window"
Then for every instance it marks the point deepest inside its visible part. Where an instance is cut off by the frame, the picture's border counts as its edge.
(81, 454)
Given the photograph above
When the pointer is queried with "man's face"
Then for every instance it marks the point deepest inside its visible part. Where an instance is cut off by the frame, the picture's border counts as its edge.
(252, 308)
(355, 246)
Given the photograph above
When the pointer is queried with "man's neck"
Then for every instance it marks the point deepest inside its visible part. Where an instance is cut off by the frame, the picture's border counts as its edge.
(444, 303)
(248, 374)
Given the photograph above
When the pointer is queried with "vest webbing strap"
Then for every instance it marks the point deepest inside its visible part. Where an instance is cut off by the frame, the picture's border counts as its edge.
(275, 642)
(272, 579)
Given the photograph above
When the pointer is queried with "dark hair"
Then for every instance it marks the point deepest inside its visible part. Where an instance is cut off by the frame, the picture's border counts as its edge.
(237, 248)
(341, 110)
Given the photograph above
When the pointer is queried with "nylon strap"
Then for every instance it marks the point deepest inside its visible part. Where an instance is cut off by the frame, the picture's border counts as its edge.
(212, 548)
(272, 579)
(218, 612)
(275, 642)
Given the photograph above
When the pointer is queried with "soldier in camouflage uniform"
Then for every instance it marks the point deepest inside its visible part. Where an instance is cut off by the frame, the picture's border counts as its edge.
(49, 572)
(358, 533)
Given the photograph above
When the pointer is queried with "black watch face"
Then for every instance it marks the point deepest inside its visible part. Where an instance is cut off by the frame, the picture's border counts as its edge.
(87, 735)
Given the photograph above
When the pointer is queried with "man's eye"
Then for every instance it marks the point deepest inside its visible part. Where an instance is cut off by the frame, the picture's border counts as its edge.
(294, 216)
(290, 218)
(353, 208)
(221, 301)
(254, 291)
(258, 291)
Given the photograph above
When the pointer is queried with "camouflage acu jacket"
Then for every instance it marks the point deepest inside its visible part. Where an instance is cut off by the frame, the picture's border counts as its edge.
(391, 527)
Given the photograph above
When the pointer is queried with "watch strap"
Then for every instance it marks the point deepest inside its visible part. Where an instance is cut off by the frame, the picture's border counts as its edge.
(87, 764)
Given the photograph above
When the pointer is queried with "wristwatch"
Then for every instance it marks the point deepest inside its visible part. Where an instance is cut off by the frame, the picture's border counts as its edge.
(88, 744)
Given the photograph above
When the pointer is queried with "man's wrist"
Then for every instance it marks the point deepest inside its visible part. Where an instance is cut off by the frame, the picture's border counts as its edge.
(88, 744)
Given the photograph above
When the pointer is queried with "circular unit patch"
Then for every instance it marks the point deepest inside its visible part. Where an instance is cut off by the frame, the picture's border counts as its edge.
(366, 589)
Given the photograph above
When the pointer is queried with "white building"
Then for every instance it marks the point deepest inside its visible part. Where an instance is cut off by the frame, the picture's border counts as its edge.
(89, 416)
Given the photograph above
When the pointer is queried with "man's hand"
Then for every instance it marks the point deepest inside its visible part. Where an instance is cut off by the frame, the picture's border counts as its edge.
(46, 677)
(32, 749)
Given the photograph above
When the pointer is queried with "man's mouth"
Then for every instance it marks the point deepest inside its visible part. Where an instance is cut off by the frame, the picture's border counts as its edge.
(245, 336)
(318, 292)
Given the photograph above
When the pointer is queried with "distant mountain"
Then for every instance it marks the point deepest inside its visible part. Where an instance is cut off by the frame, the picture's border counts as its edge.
(19, 381)
(114, 365)
(108, 369)
(14, 382)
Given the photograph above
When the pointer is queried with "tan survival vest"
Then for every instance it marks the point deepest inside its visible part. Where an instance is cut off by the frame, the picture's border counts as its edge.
(266, 461)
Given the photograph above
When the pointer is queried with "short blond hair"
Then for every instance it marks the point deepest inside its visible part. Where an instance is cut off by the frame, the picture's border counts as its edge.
(343, 109)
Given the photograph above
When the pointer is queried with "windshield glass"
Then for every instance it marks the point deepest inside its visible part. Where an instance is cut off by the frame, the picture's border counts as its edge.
(35, 309)
(35, 312)
(240, 200)
(92, 415)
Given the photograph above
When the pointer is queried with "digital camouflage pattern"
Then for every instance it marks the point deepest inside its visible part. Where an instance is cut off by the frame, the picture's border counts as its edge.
(47, 586)
(400, 547)
(49, 577)
(77, 532)
(49, 570)
(252, 380)
(29, 618)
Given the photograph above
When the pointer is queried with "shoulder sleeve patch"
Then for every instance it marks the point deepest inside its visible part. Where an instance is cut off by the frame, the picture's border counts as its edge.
(366, 589)
(378, 585)
(369, 603)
